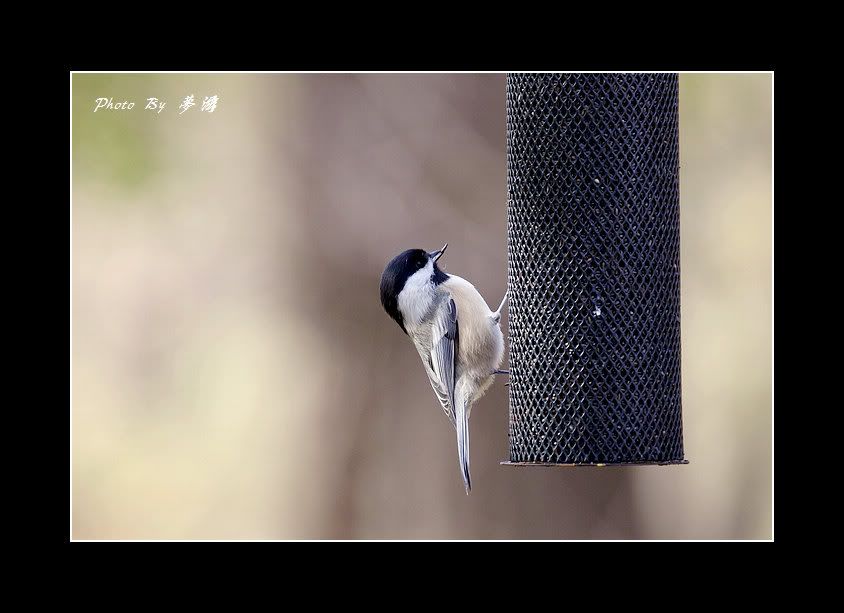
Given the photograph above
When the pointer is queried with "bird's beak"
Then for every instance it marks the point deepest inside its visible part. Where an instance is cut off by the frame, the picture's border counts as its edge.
(435, 255)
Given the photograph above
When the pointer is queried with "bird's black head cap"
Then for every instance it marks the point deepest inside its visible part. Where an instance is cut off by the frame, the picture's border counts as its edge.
(399, 270)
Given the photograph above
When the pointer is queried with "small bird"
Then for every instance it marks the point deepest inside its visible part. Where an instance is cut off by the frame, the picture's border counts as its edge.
(457, 336)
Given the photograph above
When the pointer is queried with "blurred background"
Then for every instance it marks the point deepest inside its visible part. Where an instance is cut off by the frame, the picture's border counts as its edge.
(235, 377)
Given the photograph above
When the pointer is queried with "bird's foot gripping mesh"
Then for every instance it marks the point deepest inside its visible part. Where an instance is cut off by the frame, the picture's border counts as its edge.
(594, 268)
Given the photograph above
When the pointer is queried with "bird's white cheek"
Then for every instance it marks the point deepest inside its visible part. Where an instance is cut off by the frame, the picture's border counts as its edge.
(417, 296)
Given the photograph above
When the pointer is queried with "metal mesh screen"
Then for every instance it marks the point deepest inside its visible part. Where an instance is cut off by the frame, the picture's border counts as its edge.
(594, 268)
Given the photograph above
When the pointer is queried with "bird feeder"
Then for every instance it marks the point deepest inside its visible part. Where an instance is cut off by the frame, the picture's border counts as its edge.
(594, 269)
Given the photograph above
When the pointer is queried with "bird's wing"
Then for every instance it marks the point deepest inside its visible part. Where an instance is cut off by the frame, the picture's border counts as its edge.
(444, 342)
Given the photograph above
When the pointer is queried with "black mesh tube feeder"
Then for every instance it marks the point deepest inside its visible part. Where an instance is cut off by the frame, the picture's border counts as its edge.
(594, 269)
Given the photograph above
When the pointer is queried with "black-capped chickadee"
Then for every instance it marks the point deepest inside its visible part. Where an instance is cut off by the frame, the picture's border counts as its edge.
(458, 338)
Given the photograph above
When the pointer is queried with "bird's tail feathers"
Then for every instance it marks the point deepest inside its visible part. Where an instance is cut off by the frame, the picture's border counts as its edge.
(462, 427)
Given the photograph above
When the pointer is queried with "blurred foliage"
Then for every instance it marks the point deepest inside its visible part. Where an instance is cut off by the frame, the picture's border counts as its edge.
(115, 148)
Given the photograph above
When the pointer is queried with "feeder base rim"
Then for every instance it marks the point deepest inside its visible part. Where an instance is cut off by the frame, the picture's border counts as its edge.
(596, 464)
